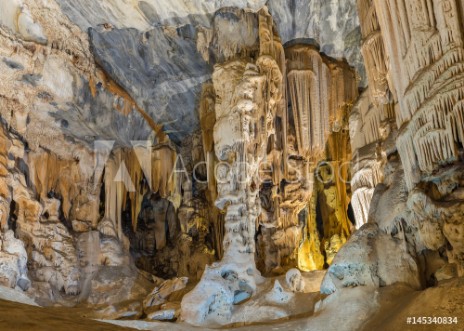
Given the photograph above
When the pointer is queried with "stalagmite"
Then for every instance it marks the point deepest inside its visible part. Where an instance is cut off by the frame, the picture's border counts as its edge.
(237, 85)
(160, 162)
(240, 148)
(248, 129)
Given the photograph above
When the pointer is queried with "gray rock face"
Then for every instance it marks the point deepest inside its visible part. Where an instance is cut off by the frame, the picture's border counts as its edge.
(142, 15)
(333, 24)
(366, 260)
(90, 118)
(161, 69)
(150, 47)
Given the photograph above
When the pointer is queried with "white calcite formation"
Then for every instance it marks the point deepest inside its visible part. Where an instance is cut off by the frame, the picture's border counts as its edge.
(251, 127)
(50, 182)
(238, 86)
(372, 121)
(407, 173)
(17, 17)
(424, 46)
(201, 162)
(372, 133)
(13, 262)
(88, 175)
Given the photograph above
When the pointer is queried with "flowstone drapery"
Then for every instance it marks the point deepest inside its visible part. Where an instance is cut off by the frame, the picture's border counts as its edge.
(262, 183)
(406, 173)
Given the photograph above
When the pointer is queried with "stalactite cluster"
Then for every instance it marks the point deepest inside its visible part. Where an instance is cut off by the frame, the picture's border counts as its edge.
(407, 146)
(372, 121)
(279, 115)
(428, 47)
(72, 201)
(162, 167)
(424, 34)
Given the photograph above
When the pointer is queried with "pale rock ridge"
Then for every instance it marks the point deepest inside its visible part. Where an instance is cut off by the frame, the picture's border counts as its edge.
(13, 262)
(372, 127)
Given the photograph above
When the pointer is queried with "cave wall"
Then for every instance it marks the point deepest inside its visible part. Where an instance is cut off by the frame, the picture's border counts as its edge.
(96, 115)
(64, 128)
(412, 173)
(227, 144)
(133, 138)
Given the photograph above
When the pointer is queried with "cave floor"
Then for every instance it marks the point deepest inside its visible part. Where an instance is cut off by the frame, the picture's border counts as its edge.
(18, 316)
(387, 307)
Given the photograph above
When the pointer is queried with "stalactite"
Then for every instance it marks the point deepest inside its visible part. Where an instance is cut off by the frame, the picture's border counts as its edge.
(361, 200)
(314, 115)
(336, 196)
(204, 37)
(68, 180)
(114, 194)
(319, 90)
(423, 64)
(131, 173)
(164, 161)
(207, 121)
(373, 52)
(298, 85)
(433, 55)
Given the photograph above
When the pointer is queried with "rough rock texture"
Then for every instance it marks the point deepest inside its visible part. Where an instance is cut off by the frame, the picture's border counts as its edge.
(371, 140)
(13, 262)
(50, 177)
(160, 58)
(412, 53)
(252, 132)
(160, 68)
(161, 293)
(219, 142)
(107, 114)
(334, 25)
(240, 147)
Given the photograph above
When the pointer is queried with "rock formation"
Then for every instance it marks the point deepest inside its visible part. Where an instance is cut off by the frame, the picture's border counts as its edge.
(194, 161)
(402, 174)
(251, 134)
